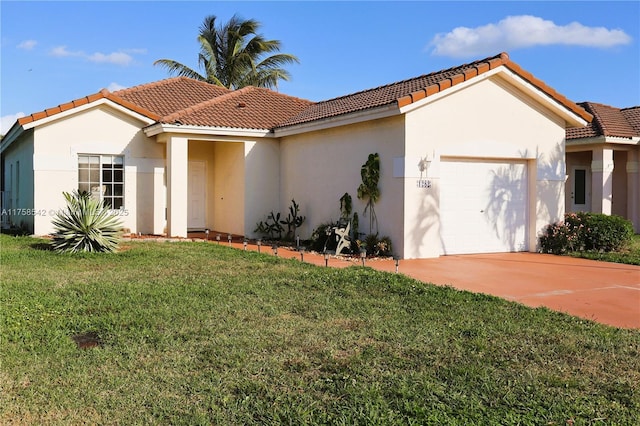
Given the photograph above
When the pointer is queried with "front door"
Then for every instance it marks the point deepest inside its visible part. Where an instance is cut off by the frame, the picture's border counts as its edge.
(196, 198)
(580, 189)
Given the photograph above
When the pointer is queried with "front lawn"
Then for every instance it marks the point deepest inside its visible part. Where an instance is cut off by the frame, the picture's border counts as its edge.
(629, 255)
(196, 333)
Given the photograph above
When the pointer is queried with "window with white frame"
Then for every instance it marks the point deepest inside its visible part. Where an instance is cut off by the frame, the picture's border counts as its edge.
(102, 176)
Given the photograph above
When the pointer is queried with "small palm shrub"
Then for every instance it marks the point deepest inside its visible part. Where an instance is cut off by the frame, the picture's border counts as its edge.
(586, 232)
(85, 225)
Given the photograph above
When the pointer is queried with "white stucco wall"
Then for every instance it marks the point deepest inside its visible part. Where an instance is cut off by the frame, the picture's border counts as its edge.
(99, 130)
(262, 182)
(317, 168)
(488, 119)
(229, 187)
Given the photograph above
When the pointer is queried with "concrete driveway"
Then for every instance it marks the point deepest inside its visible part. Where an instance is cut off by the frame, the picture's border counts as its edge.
(608, 293)
(604, 292)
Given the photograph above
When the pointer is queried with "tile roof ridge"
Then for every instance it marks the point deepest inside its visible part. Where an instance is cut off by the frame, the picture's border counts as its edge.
(61, 108)
(599, 104)
(158, 83)
(274, 92)
(129, 105)
(193, 108)
(597, 121)
(85, 100)
(613, 121)
(467, 72)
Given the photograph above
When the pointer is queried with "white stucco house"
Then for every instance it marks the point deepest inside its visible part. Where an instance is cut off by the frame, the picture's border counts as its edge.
(472, 157)
(603, 161)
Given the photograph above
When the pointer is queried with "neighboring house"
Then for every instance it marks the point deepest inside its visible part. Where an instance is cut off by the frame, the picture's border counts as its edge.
(472, 158)
(602, 163)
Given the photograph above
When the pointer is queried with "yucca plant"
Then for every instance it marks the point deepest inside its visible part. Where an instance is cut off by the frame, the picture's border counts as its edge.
(85, 225)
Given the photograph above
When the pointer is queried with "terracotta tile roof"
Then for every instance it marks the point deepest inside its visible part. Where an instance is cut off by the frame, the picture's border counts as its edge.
(408, 91)
(247, 108)
(103, 94)
(167, 96)
(198, 103)
(608, 121)
(632, 114)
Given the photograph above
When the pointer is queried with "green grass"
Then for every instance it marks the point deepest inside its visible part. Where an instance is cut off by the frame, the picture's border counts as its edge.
(630, 255)
(196, 333)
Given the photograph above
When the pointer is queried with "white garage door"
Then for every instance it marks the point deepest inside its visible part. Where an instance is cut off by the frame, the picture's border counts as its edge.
(483, 206)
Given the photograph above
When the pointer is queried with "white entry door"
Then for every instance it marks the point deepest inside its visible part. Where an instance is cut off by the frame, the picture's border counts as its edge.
(483, 206)
(580, 189)
(196, 198)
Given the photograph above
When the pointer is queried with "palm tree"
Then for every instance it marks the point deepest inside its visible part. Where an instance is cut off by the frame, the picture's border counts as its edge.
(368, 189)
(233, 55)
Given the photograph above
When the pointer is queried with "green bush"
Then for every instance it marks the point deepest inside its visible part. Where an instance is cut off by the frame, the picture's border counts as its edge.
(586, 232)
(319, 237)
(377, 246)
(85, 225)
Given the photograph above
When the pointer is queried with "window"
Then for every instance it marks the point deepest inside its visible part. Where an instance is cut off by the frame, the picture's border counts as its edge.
(103, 177)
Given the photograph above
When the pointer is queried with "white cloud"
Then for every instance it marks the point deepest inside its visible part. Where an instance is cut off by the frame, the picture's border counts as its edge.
(6, 121)
(114, 87)
(117, 58)
(516, 32)
(135, 51)
(27, 44)
(62, 52)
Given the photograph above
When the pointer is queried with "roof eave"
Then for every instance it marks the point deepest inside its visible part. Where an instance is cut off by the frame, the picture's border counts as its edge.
(176, 128)
(599, 140)
(571, 118)
(375, 113)
(14, 133)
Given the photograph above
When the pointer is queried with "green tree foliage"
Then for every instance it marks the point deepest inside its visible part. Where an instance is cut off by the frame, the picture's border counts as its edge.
(368, 190)
(234, 55)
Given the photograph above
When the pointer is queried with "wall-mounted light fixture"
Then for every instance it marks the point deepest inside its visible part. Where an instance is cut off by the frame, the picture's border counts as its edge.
(423, 166)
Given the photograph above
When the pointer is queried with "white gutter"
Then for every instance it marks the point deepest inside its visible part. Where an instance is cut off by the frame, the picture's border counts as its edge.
(176, 128)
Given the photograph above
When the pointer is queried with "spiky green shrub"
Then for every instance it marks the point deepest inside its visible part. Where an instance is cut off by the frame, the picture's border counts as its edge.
(85, 225)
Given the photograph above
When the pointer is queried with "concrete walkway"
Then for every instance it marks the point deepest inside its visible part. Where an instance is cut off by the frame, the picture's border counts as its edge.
(608, 293)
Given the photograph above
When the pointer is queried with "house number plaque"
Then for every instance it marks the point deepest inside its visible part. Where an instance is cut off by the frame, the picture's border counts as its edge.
(423, 183)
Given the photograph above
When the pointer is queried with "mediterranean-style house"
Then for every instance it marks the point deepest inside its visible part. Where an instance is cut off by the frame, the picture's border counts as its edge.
(602, 163)
(471, 158)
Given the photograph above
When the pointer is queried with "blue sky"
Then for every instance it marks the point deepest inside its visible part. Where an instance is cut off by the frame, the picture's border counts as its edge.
(53, 52)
